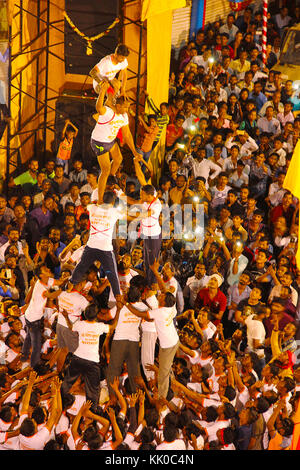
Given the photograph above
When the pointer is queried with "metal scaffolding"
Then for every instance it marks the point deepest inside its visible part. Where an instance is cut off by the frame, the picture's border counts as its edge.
(40, 23)
(40, 48)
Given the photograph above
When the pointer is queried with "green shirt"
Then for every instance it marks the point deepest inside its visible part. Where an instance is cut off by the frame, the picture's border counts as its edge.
(24, 178)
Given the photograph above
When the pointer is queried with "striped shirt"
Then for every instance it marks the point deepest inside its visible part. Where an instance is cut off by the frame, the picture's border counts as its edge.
(162, 121)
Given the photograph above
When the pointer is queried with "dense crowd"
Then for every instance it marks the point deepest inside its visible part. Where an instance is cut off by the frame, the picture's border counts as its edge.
(199, 349)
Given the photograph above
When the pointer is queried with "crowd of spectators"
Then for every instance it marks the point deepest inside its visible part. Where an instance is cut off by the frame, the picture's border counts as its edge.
(230, 133)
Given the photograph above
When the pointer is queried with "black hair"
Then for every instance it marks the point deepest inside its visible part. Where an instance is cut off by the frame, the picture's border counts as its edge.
(171, 419)
(95, 442)
(122, 49)
(138, 281)
(192, 429)
(109, 197)
(229, 411)
(211, 414)
(5, 413)
(262, 405)
(27, 427)
(230, 393)
(147, 447)
(170, 433)
(133, 294)
(52, 445)
(38, 415)
(228, 435)
(91, 312)
(151, 417)
(67, 400)
(170, 299)
(148, 189)
(147, 435)
(288, 426)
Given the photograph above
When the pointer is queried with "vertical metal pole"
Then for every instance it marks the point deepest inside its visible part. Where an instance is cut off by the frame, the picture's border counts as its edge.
(21, 77)
(264, 31)
(138, 84)
(46, 77)
(37, 76)
(8, 135)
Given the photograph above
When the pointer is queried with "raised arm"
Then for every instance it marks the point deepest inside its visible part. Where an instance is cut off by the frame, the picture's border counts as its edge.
(74, 428)
(26, 397)
(271, 422)
(100, 108)
(123, 404)
(117, 432)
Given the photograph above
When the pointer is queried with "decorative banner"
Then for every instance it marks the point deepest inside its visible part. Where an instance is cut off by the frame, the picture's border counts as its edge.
(238, 5)
(197, 17)
(292, 184)
(91, 39)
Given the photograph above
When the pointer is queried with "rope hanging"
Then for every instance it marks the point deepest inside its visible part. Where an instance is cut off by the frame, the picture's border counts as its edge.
(91, 39)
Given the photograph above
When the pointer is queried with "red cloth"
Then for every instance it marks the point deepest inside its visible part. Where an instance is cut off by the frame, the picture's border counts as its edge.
(172, 134)
(215, 305)
(120, 136)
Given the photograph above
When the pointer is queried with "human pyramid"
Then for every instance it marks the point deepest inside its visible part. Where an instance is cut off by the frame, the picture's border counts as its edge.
(145, 315)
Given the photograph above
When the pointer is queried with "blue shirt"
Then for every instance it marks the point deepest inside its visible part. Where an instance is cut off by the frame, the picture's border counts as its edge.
(57, 252)
(259, 99)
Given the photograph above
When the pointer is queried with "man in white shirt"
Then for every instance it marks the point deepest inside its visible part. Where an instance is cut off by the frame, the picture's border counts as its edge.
(256, 333)
(74, 303)
(276, 190)
(85, 360)
(238, 263)
(38, 295)
(150, 229)
(201, 166)
(268, 123)
(167, 335)
(103, 139)
(109, 67)
(13, 238)
(195, 283)
(229, 27)
(103, 218)
(125, 344)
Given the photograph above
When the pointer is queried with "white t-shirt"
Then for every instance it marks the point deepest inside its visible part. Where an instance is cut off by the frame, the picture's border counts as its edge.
(74, 303)
(209, 331)
(178, 444)
(35, 442)
(107, 69)
(88, 344)
(128, 324)
(150, 226)
(35, 309)
(255, 330)
(149, 326)
(102, 219)
(108, 126)
(166, 331)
